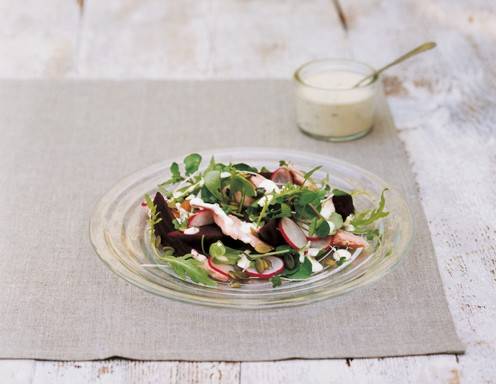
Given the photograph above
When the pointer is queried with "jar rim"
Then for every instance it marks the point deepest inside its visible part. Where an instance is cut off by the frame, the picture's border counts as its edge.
(298, 78)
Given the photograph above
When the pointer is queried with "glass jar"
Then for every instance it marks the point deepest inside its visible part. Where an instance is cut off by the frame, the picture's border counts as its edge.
(328, 106)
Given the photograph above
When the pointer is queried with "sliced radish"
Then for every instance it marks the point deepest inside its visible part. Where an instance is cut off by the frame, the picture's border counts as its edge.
(292, 233)
(281, 176)
(223, 269)
(217, 275)
(321, 243)
(201, 218)
(277, 266)
(296, 174)
(299, 178)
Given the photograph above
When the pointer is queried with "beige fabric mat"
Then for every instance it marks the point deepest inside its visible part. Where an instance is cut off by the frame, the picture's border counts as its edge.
(63, 144)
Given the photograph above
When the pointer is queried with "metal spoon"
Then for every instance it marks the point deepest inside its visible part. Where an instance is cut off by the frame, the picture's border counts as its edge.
(421, 48)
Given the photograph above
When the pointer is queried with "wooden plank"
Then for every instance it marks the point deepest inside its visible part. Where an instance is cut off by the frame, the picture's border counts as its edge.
(123, 371)
(17, 371)
(441, 369)
(218, 38)
(38, 39)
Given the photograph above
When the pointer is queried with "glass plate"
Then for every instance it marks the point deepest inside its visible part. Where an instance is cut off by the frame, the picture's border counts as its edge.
(119, 234)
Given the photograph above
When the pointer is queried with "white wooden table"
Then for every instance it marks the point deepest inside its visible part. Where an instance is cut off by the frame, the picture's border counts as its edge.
(444, 103)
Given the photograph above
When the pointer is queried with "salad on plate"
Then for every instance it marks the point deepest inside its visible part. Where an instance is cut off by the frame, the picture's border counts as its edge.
(237, 224)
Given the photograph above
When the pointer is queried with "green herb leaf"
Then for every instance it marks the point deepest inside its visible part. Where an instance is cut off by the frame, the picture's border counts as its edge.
(244, 167)
(239, 184)
(319, 227)
(339, 192)
(309, 174)
(304, 271)
(307, 197)
(175, 175)
(212, 183)
(285, 210)
(276, 281)
(153, 219)
(224, 255)
(187, 266)
(192, 163)
(367, 217)
(174, 169)
(207, 196)
(323, 228)
(337, 220)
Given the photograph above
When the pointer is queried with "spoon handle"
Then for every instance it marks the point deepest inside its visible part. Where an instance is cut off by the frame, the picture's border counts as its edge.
(421, 48)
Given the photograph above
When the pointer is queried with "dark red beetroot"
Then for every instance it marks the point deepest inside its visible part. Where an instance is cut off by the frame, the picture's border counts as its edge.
(211, 233)
(165, 226)
(270, 233)
(343, 203)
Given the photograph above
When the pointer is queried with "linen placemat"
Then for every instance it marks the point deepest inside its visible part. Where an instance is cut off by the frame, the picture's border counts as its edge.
(65, 143)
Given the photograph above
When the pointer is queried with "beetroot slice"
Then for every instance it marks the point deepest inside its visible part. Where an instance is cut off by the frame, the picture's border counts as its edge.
(343, 203)
(270, 233)
(165, 226)
(211, 233)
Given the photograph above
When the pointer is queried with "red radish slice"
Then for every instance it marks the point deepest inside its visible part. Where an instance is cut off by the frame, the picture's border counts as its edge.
(214, 273)
(292, 233)
(321, 243)
(257, 179)
(277, 267)
(223, 269)
(201, 218)
(299, 178)
(281, 176)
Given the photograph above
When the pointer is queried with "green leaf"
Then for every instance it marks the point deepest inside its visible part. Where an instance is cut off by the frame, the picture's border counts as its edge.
(187, 266)
(174, 170)
(319, 227)
(222, 254)
(175, 175)
(337, 220)
(239, 184)
(304, 271)
(217, 249)
(309, 174)
(323, 228)
(339, 192)
(276, 281)
(307, 197)
(192, 163)
(244, 167)
(367, 217)
(207, 196)
(153, 219)
(285, 210)
(212, 183)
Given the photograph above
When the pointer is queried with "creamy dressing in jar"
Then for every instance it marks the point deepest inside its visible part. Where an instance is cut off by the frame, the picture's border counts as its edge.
(327, 105)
